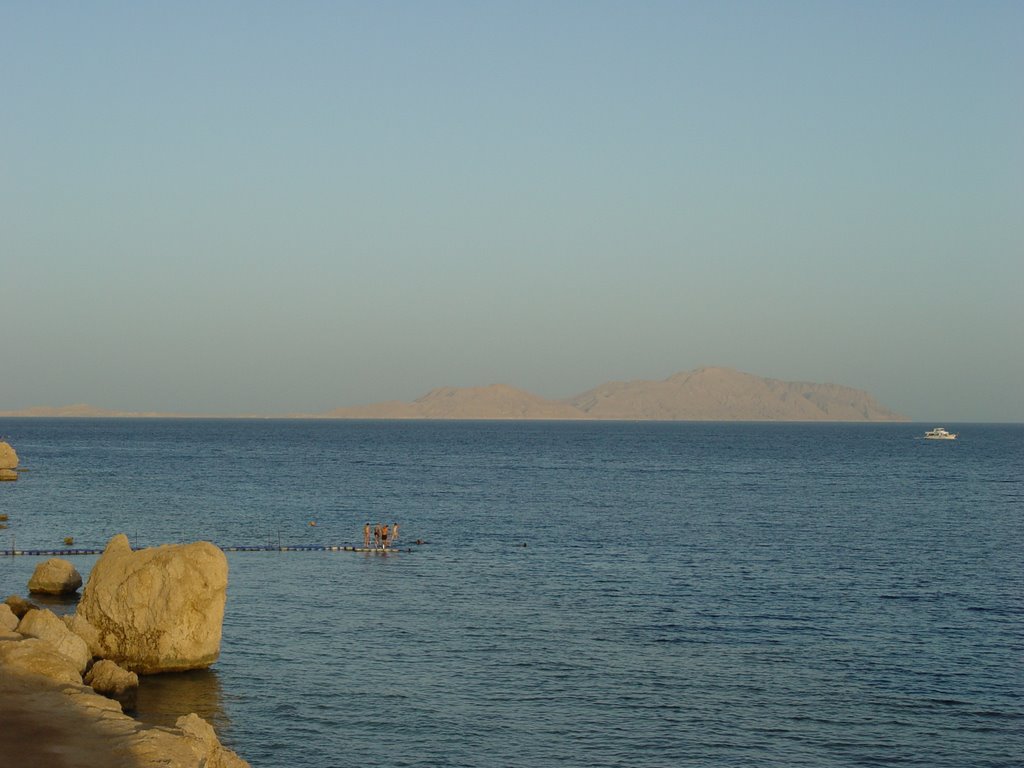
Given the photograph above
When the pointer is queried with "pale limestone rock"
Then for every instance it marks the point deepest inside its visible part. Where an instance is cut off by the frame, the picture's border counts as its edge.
(55, 577)
(8, 457)
(201, 733)
(160, 609)
(43, 727)
(191, 743)
(8, 620)
(8, 474)
(96, 704)
(47, 626)
(38, 657)
(108, 679)
(81, 627)
(10, 634)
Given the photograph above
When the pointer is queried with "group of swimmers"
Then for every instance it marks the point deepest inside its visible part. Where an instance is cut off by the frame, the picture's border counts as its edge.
(383, 536)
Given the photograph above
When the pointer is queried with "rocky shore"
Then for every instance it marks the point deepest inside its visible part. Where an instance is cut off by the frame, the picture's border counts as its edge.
(65, 682)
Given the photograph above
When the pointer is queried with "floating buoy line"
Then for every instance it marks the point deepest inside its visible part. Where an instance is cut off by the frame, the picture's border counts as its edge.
(65, 551)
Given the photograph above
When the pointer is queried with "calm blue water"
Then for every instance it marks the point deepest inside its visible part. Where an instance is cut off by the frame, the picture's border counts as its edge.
(689, 594)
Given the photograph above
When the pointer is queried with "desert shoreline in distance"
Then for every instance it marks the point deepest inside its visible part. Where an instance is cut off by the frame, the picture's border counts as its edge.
(706, 394)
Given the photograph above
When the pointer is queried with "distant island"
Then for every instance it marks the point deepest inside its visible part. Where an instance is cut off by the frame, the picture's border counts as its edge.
(705, 394)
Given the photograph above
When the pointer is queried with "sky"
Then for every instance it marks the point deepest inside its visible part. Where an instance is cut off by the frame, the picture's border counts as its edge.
(220, 207)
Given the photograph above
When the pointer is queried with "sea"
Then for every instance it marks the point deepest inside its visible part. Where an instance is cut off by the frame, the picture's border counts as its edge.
(634, 594)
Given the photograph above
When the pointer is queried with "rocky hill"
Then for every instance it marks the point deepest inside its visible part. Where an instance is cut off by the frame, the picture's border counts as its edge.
(707, 394)
(722, 394)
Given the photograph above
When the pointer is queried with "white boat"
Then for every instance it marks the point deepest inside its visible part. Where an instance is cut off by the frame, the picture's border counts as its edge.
(939, 433)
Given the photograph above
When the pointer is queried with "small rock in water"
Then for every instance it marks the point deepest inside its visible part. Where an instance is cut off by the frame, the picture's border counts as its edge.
(55, 577)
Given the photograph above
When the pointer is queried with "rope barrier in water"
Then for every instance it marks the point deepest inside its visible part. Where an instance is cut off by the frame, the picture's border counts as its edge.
(241, 548)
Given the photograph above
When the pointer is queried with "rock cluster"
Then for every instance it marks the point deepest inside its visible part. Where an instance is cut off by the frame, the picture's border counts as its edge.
(50, 718)
(31, 655)
(152, 610)
(45, 625)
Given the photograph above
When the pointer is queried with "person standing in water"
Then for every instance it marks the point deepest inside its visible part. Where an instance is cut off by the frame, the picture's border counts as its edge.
(376, 535)
(386, 534)
(394, 533)
(366, 536)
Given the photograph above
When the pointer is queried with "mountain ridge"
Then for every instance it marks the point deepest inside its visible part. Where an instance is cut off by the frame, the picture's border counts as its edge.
(703, 394)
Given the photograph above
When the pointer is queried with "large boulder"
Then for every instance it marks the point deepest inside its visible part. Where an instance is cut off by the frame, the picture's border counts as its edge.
(107, 678)
(159, 609)
(46, 626)
(55, 577)
(8, 458)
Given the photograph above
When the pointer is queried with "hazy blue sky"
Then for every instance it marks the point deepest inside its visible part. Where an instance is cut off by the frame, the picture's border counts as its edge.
(275, 207)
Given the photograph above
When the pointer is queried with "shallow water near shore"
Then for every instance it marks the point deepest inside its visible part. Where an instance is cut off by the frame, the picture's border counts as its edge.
(688, 594)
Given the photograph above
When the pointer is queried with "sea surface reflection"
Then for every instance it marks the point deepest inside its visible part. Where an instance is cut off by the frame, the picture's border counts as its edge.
(164, 698)
(693, 594)
(61, 605)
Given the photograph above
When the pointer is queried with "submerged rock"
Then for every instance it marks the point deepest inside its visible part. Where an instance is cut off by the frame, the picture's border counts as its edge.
(159, 609)
(55, 577)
